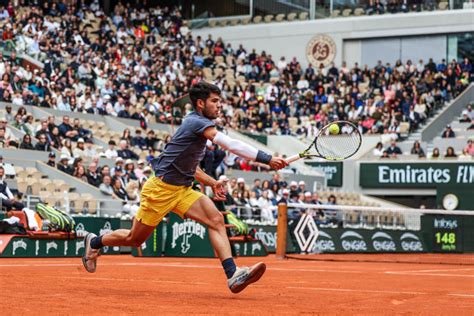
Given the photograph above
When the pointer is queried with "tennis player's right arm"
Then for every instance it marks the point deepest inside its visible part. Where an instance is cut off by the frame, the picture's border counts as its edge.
(242, 149)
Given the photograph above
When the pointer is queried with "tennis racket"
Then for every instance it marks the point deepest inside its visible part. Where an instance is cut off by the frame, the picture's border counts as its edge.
(338, 140)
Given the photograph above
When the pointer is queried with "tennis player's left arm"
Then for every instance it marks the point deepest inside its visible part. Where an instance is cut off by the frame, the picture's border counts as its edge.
(204, 178)
(218, 186)
(242, 149)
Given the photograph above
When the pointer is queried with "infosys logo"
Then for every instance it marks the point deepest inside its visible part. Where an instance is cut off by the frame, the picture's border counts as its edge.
(324, 243)
(352, 241)
(383, 242)
(411, 242)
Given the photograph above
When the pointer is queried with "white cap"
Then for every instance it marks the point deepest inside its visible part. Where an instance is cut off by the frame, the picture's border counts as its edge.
(147, 168)
(223, 178)
(285, 191)
(118, 159)
(80, 140)
(240, 180)
(128, 161)
(293, 183)
(64, 157)
(307, 194)
(301, 182)
(140, 162)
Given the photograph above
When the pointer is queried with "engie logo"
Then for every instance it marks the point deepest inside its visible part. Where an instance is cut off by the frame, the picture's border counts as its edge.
(411, 242)
(353, 241)
(19, 244)
(51, 245)
(106, 230)
(383, 242)
(187, 229)
(324, 243)
(80, 230)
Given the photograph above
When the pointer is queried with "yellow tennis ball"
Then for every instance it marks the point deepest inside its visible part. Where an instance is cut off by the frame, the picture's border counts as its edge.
(334, 129)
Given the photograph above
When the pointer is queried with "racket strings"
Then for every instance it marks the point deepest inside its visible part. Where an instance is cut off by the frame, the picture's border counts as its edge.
(339, 146)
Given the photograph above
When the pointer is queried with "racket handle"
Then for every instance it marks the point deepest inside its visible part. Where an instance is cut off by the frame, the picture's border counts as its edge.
(292, 158)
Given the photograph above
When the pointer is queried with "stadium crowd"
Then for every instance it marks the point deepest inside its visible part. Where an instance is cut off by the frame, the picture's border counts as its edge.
(258, 201)
(138, 63)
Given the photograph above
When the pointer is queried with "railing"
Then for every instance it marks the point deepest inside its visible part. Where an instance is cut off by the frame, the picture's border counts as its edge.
(311, 9)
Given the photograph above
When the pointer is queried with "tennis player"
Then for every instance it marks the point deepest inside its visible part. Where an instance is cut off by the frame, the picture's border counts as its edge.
(170, 189)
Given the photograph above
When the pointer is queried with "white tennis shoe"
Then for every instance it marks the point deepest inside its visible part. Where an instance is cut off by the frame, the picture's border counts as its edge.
(245, 276)
(89, 257)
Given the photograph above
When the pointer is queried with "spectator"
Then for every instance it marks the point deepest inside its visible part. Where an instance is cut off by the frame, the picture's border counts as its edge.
(7, 199)
(42, 128)
(435, 153)
(378, 150)
(93, 177)
(89, 150)
(472, 125)
(130, 170)
(464, 118)
(118, 189)
(138, 141)
(64, 165)
(265, 205)
(147, 172)
(79, 151)
(468, 112)
(126, 153)
(80, 173)
(55, 138)
(448, 132)
(285, 197)
(470, 147)
(394, 150)
(111, 153)
(81, 132)
(51, 160)
(465, 155)
(121, 176)
(67, 131)
(417, 150)
(385, 155)
(66, 149)
(105, 187)
(26, 143)
(42, 143)
(6, 136)
(450, 153)
(301, 186)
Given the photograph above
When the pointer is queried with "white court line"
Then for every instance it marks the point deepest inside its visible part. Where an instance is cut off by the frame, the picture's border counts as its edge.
(430, 274)
(135, 280)
(174, 265)
(438, 270)
(461, 295)
(354, 290)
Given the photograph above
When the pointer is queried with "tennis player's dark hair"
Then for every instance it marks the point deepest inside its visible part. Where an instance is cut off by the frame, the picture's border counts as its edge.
(201, 91)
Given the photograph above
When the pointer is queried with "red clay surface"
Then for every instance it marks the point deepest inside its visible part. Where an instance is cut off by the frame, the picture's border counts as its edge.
(126, 285)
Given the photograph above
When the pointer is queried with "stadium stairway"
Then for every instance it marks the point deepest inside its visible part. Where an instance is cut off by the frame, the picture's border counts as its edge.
(435, 125)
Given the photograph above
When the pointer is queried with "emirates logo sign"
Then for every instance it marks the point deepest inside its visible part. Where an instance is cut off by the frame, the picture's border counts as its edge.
(321, 49)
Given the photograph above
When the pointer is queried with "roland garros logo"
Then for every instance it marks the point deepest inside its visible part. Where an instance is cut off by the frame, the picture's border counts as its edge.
(321, 49)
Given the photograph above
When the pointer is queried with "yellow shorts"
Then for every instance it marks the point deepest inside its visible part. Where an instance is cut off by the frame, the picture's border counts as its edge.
(159, 198)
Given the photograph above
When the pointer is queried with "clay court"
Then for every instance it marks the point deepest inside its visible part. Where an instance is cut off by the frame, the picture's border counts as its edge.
(348, 284)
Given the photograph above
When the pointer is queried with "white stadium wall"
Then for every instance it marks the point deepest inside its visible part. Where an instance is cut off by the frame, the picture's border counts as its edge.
(357, 39)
